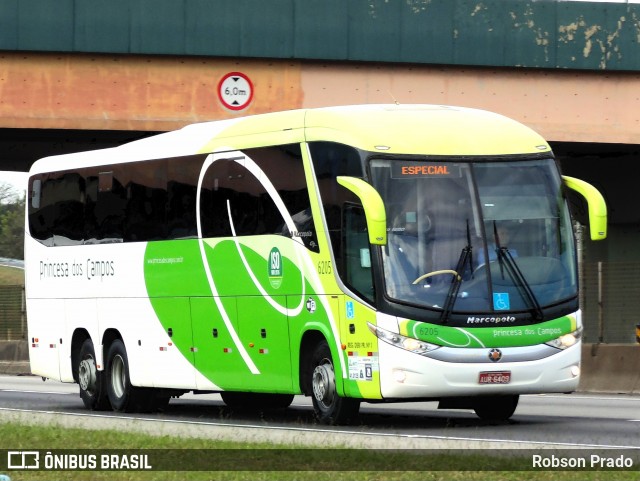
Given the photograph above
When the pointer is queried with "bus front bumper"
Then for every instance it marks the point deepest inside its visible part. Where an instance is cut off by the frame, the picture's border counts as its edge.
(404, 374)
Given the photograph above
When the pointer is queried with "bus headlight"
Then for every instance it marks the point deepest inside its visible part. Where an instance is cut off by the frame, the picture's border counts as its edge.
(566, 340)
(398, 340)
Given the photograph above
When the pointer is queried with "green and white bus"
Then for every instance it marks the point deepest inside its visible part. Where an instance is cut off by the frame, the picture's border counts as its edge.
(351, 254)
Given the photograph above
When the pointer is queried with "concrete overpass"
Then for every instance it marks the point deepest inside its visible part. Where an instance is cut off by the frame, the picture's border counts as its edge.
(76, 75)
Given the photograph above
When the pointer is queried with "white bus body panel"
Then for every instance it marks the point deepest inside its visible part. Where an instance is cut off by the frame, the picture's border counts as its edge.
(81, 314)
(143, 336)
(407, 375)
(60, 285)
(44, 338)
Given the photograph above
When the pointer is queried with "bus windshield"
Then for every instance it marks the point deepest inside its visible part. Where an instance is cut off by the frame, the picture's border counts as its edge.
(476, 237)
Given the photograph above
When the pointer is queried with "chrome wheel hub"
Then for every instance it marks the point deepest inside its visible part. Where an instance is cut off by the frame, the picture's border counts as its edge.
(87, 375)
(324, 384)
(118, 376)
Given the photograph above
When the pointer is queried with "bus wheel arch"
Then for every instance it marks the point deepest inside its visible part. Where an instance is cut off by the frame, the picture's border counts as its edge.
(77, 340)
(122, 395)
(309, 341)
(92, 383)
(318, 380)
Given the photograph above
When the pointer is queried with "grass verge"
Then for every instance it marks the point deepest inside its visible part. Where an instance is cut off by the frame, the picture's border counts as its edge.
(10, 276)
(257, 462)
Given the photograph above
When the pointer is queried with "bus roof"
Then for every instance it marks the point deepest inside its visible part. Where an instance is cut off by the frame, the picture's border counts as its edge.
(399, 129)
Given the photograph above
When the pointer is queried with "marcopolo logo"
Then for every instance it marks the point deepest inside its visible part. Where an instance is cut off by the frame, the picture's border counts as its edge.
(491, 320)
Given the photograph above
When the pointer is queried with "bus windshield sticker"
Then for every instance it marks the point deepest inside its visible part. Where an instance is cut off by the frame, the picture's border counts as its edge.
(350, 314)
(361, 368)
(501, 301)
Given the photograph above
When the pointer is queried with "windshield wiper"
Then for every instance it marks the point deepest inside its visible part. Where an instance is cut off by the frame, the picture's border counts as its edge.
(506, 260)
(466, 257)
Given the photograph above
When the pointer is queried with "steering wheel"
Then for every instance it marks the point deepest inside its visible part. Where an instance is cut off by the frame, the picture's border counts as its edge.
(484, 266)
(437, 273)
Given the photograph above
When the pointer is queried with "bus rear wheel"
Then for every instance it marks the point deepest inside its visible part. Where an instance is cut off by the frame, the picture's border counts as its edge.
(122, 395)
(496, 408)
(329, 407)
(92, 385)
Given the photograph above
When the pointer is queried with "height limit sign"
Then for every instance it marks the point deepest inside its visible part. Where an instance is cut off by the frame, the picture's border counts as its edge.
(235, 91)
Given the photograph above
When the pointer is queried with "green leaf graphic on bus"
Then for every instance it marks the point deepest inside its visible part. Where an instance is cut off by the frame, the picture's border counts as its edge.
(261, 321)
(499, 336)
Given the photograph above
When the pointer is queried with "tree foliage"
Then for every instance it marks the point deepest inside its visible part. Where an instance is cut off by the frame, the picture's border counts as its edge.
(11, 223)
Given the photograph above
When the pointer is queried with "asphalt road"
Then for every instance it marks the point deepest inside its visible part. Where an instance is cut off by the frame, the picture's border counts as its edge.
(541, 421)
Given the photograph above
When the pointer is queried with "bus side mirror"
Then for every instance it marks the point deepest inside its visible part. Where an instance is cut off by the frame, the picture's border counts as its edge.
(373, 205)
(596, 203)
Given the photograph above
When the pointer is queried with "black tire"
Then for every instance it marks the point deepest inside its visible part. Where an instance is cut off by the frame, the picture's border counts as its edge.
(122, 395)
(328, 406)
(256, 401)
(496, 408)
(93, 390)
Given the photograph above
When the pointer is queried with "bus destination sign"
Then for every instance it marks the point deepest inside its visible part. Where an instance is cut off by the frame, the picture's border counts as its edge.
(403, 170)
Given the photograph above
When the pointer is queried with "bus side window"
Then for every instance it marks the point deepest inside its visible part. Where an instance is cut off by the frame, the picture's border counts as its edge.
(357, 253)
(110, 209)
(58, 217)
(145, 213)
(232, 195)
(41, 217)
(331, 160)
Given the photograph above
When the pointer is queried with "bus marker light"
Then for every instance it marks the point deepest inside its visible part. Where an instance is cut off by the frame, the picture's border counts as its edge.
(251, 344)
(575, 371)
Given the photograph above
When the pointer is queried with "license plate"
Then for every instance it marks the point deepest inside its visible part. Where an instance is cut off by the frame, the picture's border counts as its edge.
(495, 377)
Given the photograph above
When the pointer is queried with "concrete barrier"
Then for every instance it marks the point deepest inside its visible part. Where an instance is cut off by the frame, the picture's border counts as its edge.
(14, 351)
(606, 368)
(14, 357)
(612, 368)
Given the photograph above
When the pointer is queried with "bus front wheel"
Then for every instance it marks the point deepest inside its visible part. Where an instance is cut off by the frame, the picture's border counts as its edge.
(329, 407)
(92, 385)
